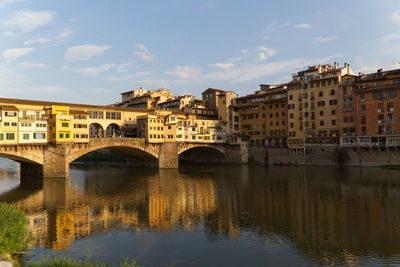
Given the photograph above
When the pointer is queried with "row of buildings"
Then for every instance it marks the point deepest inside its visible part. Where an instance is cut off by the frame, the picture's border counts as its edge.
(321, 105)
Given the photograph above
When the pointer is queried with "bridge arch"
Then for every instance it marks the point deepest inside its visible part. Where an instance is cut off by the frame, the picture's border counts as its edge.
(121, 145)
(23, 153)
(200, 153)
(187, 147)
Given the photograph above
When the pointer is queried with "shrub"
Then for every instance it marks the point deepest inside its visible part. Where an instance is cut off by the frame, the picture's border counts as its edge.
(13, 230)
(68, 262)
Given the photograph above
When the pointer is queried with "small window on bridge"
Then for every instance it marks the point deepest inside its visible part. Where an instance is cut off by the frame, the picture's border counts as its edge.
(65, 124)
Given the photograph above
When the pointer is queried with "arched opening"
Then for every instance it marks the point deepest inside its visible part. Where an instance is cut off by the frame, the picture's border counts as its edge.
(120, 155)
(113, 130)
(202, 154)
(96, 131)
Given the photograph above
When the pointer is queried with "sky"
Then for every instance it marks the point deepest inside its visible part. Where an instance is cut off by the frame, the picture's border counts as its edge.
(90, 51)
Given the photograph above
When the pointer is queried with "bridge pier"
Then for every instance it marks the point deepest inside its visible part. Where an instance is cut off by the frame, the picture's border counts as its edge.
(168, 157)
(56, 163)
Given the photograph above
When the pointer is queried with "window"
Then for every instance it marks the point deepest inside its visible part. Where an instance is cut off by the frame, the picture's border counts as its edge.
(67, 135)
(193, 137)
(333, 92)
(6, 124)
(1, 136)
(321, 113)
(378, 95)
(61, 135)
(320, 93)
(14, 124)
(332, 102)
(333, 112)
(321, 103)
(64, 124)
(25, 136)
(333, 122)
(10, 136)
(321, 123)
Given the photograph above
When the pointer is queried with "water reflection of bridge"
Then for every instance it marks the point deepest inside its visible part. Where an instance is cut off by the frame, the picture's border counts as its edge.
(328, 218)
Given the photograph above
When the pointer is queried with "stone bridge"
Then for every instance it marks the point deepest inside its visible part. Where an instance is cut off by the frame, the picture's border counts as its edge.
(52, 160)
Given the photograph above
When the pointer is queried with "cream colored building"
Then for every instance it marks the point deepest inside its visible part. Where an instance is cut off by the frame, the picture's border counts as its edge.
(9, 125)
(33, 127)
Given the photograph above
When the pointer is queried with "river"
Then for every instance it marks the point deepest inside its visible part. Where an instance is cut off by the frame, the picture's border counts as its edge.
(212, 215)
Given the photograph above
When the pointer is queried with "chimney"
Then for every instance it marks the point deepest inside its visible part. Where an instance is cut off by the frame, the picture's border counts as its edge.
(379, 70)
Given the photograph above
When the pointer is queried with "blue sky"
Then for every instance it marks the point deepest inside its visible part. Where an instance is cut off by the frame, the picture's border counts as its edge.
(91, 51)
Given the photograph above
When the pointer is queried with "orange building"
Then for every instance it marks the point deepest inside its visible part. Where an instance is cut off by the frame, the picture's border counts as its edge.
(377, 109)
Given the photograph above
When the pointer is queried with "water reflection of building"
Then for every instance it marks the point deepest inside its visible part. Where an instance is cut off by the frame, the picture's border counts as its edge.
(172, 199)
(331, 220)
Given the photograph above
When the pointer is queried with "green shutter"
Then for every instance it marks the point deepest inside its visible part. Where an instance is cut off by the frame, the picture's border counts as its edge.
(34, 135)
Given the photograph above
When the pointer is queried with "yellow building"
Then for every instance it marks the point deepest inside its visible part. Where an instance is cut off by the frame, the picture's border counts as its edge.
(261, 118)
(9, 125)
(151, 127)
(313, 105)
(60, 124)
(81, 125)
(145, 99)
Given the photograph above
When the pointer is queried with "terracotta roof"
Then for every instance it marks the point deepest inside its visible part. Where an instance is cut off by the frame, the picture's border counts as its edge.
(214, 89)
(78, 112)
(8, 108)
(49, 103)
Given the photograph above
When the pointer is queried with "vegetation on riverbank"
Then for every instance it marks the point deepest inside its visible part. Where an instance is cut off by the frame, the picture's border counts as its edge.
(68, 262)
(390, 167)
(13, 231)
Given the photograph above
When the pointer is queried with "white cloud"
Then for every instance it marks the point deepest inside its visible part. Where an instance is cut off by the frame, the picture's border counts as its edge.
(14, 53)
(211, 5)
(9, 34)
(389, 37)
(124, 66)
(4, 3)
(32, 65)
(89, 70)
(396, 18)
(28, 20)
(266, 52)
(303, 26)
(318, 40)
(274, 27)
(36, 41)
(224, 65)
(64, 34)
(143, 53)
(184, 72)
(127, 78)
(84, 52)
(235, 59)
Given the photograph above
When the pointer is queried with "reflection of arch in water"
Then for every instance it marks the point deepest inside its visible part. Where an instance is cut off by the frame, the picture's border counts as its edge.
(113, 130)
(96, 130)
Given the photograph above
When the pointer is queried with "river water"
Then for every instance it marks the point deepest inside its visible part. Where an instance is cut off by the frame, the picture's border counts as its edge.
(210, 215)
